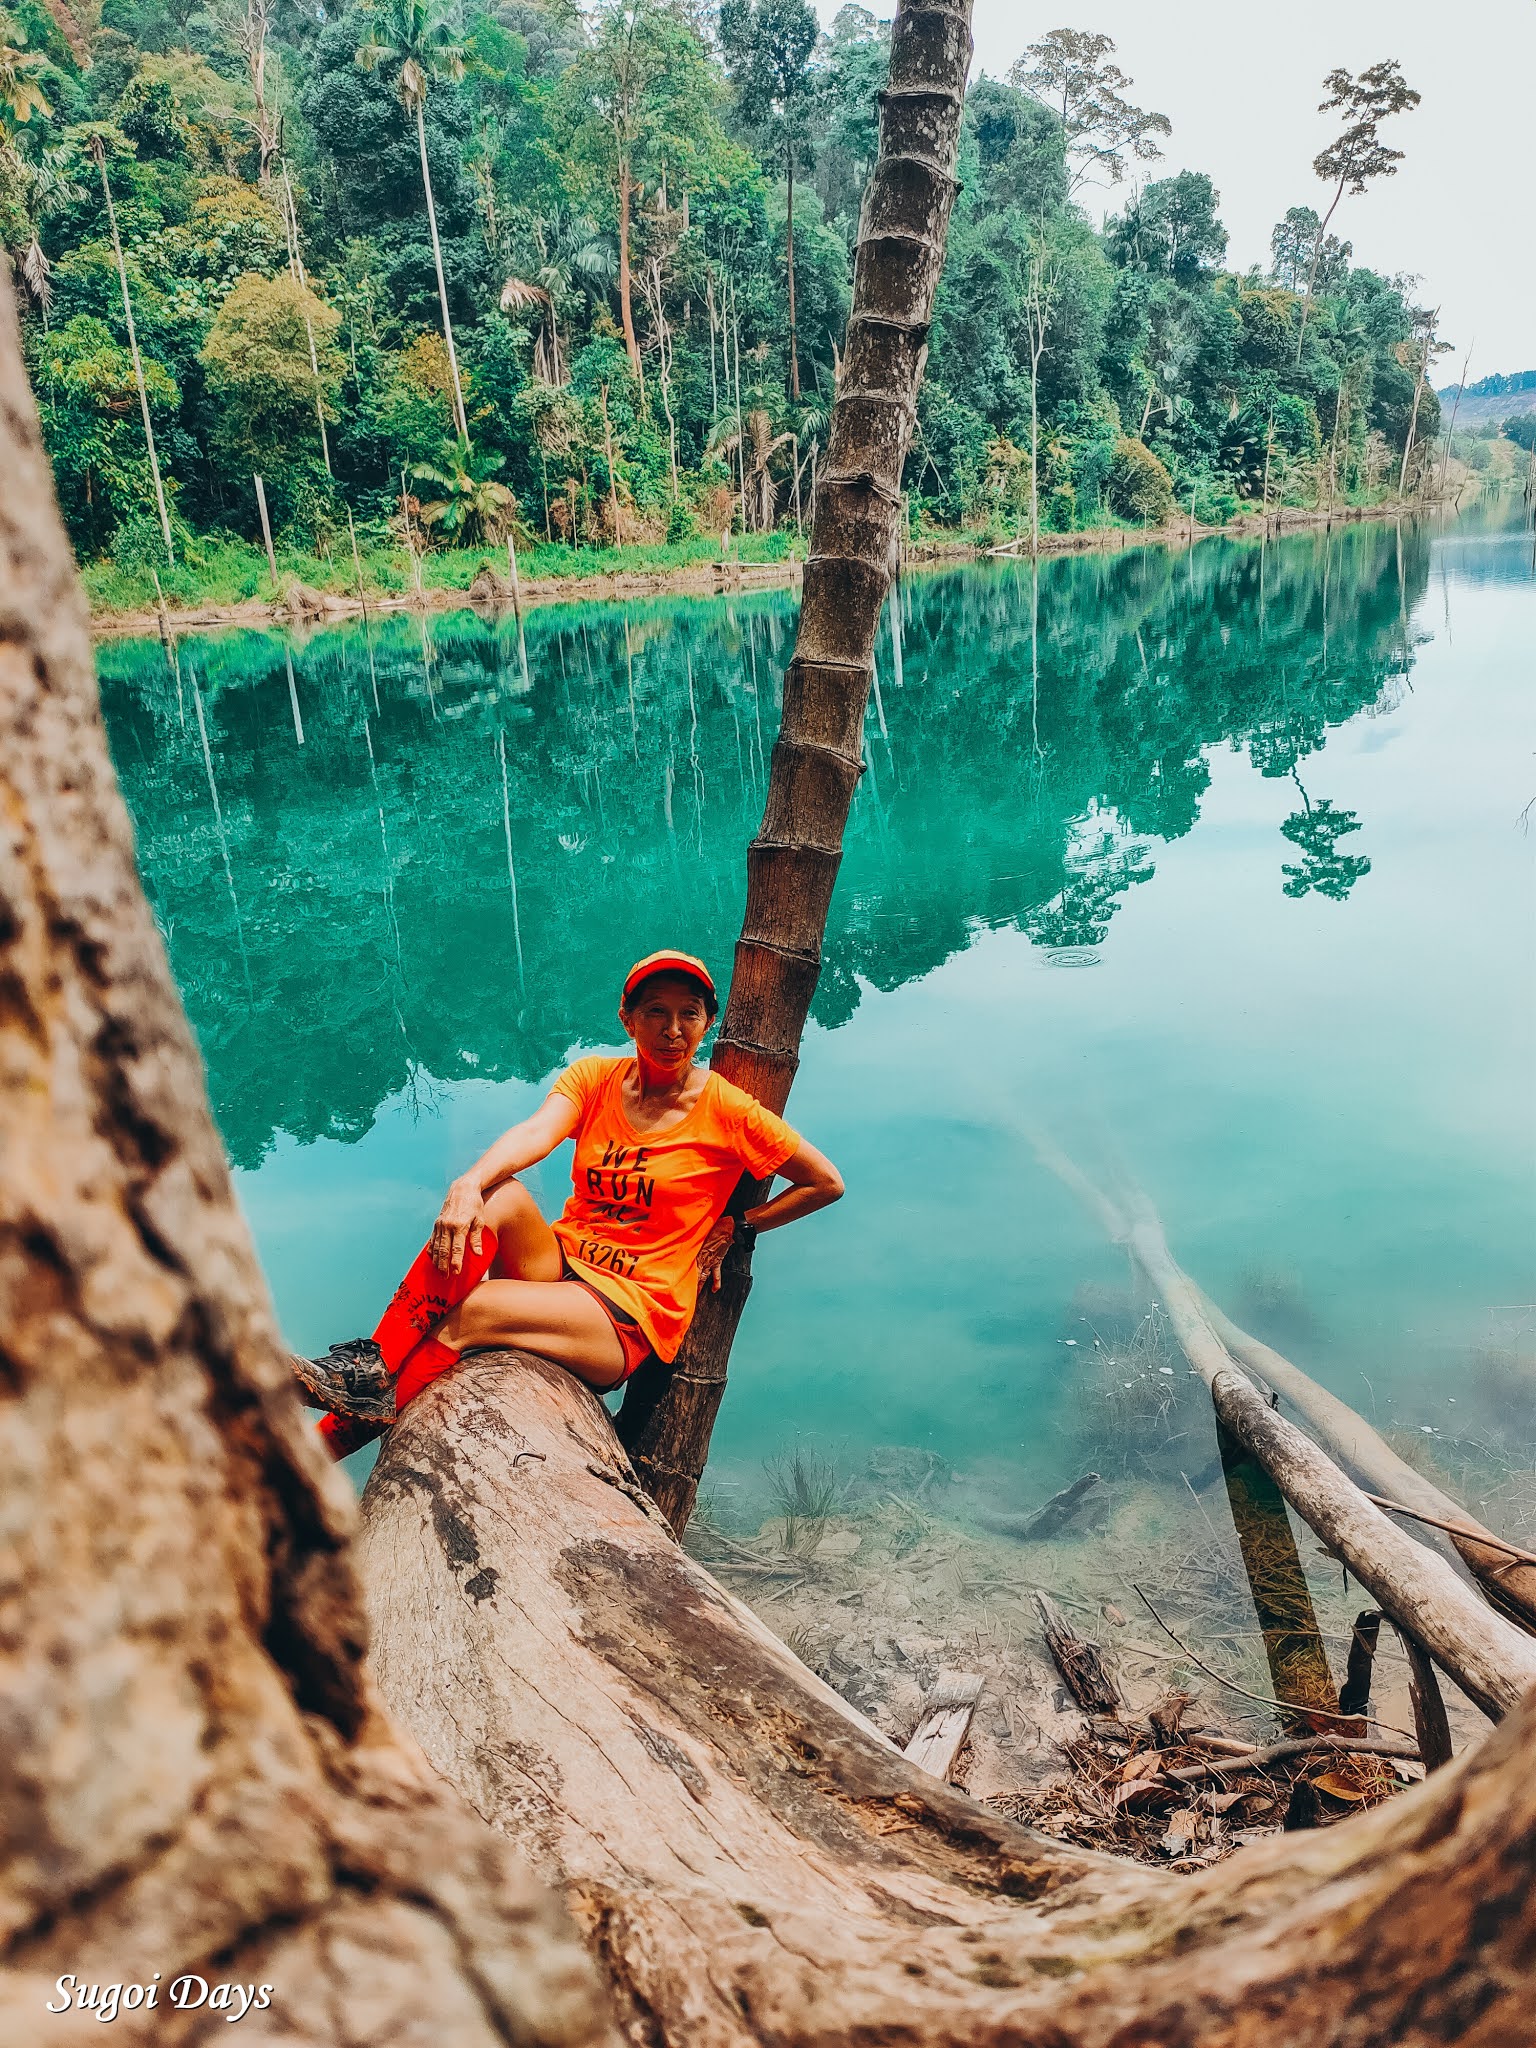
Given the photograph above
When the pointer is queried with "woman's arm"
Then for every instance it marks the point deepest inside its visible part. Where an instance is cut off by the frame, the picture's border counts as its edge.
(462, 1215)
(814, 1183)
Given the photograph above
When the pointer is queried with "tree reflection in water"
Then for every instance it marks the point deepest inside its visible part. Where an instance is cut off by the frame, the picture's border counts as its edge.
(1042, 733)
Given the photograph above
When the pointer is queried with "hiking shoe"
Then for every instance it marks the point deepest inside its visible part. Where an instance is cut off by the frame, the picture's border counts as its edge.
(352, 1379)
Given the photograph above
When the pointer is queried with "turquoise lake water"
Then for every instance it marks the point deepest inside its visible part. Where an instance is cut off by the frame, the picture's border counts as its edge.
(1217, 863)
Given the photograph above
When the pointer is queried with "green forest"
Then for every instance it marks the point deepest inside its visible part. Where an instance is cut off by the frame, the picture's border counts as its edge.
(440, 274)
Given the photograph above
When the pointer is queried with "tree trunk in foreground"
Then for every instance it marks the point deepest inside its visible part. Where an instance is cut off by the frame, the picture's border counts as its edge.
(754, 1863)
(818, 757)
(196, 1775)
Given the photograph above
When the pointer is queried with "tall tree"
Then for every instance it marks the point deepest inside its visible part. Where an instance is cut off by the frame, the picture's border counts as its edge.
(1357, 154)
(1421, 348)
(245, 27)
(1041, 282)
(1069, 71)
(98, 151)
(420, 37)
(635, 101)
(818, 756)
(768, 46)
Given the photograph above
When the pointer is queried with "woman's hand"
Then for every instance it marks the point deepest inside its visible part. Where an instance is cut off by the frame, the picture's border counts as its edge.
(713, 1250)
(459, 1223)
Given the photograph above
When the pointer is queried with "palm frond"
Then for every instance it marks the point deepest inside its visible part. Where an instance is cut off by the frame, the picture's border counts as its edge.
(517, 294)
(35, 268)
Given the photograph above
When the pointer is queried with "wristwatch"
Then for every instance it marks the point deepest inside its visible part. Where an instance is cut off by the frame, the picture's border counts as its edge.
(744, 1235)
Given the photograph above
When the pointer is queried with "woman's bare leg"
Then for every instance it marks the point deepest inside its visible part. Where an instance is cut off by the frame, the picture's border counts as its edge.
(552, 1317)
(524, 1304)
(526, 1247)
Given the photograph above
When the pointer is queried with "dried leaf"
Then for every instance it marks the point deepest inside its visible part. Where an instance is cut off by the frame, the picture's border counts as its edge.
(1337, 1786)
(1112, 1614)
(1183, 1828)
(1147, 1763)
(1144, 1789)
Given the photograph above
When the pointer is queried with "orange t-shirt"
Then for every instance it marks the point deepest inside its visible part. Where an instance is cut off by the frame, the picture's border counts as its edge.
(643, 1202)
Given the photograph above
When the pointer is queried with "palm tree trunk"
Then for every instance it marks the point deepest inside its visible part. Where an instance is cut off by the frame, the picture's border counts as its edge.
(460, 419)
(133, 348)
(296, 266)
(789, 265)
(792, 865)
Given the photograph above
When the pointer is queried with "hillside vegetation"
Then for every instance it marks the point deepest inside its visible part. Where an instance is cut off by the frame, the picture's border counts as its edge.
(450, 272)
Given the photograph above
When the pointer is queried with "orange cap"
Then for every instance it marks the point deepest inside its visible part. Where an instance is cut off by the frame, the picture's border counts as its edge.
(666, 963)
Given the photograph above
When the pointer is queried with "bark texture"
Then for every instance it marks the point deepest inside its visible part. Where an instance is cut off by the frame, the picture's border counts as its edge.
(818, 756)
(194, 1773)
(755, 1864)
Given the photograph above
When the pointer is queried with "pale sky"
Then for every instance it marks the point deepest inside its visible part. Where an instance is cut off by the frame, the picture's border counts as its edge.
(1241, 83)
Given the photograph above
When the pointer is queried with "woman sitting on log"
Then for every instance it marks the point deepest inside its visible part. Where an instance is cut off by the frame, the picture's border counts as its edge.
(660, 1146)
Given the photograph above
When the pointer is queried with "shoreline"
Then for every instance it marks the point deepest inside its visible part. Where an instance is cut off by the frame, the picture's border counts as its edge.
(309, 607)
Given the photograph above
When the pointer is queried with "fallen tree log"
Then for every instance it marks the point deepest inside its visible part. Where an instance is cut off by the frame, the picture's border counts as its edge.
(1492, 1661)
(753, 1863)
(1511, 1585)
(1508, 1579)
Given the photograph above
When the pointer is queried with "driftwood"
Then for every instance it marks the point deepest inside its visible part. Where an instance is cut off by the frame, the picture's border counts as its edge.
(301, 603)
(1429, 1715)
(1046, 1520)
(753, 1863)
(1294, 1746)
(1355, 1695)
(1367, 1454)
(1511, 1587)
(1492, 1661)
(1282, 1599)
(1080, 1662)
(940, 1735)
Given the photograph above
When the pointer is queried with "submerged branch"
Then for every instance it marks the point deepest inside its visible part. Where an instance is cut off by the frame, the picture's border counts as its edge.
(1491, 1660)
